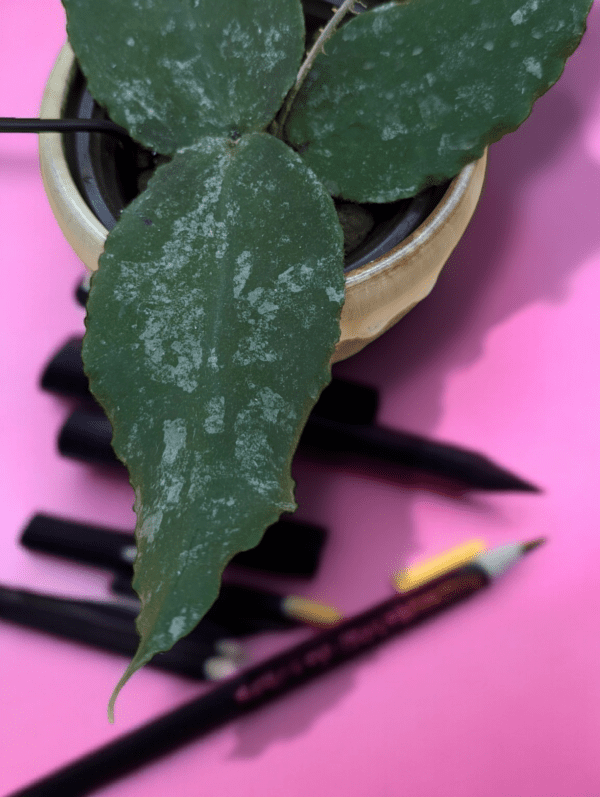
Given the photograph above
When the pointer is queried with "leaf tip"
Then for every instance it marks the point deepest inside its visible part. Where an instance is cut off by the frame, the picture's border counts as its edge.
(133, 667)
(115, 694)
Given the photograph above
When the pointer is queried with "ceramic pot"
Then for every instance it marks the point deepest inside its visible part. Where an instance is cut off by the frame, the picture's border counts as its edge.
(390, 272)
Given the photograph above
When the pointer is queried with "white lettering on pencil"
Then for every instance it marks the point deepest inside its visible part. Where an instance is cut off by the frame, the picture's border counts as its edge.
(357, 637)
(273, 680)
(363, 635)
(320, 656)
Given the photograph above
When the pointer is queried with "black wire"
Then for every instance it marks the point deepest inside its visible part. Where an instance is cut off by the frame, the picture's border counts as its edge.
(13, 125)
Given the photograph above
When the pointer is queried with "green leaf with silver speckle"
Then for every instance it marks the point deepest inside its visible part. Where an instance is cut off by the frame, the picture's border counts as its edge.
(210, 327)
(408, 93)
(173, 72)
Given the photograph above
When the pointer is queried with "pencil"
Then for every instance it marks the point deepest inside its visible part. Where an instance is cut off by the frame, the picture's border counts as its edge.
(275, 677)
(422, 572)
(341, 421)
(412, 451)
(238, 610)
(241, 610)
(111, 627)
(289, 547)
(87, 436)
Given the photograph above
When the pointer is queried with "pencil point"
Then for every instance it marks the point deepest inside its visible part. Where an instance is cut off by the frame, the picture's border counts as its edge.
(481, 473)
(530, 488)
(505, 480)
(529, 546)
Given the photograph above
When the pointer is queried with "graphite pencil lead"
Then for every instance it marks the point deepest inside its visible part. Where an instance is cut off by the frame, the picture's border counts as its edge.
(494, 477)
(529, 546)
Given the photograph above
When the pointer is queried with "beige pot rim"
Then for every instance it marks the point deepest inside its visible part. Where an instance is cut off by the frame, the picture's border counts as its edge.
(377, 294)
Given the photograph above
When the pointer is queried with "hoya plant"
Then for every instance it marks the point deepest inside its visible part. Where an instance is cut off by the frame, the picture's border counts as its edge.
(214, 313)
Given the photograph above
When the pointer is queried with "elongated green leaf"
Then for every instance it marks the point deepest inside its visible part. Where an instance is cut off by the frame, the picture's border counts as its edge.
(173, 72)
(408, 93)
(211, 323)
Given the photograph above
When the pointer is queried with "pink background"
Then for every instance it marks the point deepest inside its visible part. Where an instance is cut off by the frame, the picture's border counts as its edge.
(500, 697)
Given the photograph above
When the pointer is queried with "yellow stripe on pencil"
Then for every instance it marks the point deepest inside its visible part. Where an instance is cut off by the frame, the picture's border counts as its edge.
(418, 574)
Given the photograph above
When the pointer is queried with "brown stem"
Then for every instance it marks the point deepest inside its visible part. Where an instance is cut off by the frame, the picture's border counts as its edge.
(315, 50)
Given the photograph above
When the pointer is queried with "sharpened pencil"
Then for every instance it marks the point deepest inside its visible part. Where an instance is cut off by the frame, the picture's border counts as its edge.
(412, 451)
(341, 421)
(274, 678)
(87, 436)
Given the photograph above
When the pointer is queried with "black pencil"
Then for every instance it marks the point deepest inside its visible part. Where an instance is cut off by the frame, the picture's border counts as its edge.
(275, 677)
(341, 421)
(111, 627)
(238, 610)
(241, 610)
(412, 451)
(288, 547)
(87, 436)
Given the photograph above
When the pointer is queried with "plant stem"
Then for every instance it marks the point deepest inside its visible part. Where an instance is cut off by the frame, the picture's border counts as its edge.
(317, 48)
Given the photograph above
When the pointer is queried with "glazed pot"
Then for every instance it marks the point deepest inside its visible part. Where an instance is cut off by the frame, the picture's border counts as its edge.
(393, 269)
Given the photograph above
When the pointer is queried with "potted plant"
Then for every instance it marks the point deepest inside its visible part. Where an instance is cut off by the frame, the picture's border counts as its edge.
(215, 311)
(90, 178)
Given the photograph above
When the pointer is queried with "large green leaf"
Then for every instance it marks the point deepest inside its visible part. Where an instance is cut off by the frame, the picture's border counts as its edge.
(211, 322)
(172, 71)
(408, 93)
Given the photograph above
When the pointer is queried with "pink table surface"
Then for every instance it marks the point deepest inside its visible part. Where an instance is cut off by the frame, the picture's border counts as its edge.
(500, 697)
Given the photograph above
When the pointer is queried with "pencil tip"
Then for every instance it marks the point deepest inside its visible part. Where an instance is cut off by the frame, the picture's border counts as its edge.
(529, 546)
(509, 481)
(486, 475)
(531, 488)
